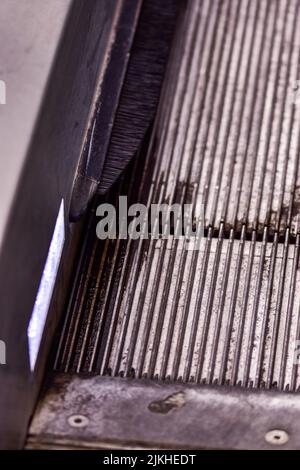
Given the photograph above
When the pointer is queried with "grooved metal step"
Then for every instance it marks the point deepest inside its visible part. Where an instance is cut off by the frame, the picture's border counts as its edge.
(226, 314)
(228, 129)
(227, 134)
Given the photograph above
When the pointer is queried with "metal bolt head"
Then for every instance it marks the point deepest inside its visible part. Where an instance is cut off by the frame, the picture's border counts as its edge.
(277, 437)
(78, 421)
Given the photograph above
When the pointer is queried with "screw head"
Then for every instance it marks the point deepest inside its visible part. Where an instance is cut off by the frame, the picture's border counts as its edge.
(78, 421)
(277, 437)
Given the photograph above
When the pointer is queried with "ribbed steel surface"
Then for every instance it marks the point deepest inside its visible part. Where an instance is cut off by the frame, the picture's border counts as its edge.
(228, 313)
(227, 135)
(229, 130)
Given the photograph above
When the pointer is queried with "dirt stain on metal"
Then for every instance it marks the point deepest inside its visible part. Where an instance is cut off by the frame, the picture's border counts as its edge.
(174, 401)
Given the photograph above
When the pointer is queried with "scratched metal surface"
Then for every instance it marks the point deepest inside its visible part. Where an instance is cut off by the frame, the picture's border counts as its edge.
(227, 131)
(136, 414)
(228, 314)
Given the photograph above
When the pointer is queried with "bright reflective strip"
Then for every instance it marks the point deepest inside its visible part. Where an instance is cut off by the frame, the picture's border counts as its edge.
(44, 295)
(2, 92)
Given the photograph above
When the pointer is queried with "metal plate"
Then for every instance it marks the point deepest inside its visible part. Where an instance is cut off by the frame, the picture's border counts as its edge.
(124, 413)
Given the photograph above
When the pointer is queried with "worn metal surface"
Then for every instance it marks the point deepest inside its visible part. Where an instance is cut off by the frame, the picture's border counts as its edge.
(122, 413)
(227, 314)
(229, 131)
(227, 135)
